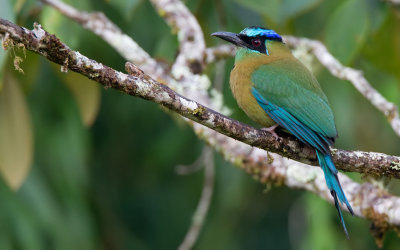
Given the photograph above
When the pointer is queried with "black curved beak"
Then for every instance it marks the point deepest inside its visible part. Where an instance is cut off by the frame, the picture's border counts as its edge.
(230, 37)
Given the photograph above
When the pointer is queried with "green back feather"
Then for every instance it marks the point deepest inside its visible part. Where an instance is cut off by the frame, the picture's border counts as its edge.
(290, 85)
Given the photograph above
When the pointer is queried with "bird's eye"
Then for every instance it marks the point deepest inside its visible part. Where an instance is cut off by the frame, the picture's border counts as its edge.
(256, 42)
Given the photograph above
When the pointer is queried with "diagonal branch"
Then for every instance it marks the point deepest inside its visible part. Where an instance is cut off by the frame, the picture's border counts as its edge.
(141, 85)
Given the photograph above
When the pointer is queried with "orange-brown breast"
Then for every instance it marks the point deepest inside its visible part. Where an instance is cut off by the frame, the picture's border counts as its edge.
(240, 82)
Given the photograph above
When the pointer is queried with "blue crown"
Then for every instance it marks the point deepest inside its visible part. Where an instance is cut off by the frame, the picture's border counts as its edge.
(259, 31)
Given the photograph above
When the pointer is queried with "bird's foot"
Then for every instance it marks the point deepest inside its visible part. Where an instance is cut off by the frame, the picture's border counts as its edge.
(271, 130)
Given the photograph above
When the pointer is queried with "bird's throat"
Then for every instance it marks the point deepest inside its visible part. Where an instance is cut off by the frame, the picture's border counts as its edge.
(276, 51)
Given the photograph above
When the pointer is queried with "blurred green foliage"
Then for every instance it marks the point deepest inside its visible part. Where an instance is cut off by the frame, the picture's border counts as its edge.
(112, 185)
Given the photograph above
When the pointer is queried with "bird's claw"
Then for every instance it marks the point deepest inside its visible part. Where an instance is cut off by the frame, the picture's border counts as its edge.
(271, 130)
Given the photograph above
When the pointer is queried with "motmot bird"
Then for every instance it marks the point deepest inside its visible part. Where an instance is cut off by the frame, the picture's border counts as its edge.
(275, 89)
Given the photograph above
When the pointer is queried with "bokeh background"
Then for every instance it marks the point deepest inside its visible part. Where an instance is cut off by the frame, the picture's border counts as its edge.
(101, 166)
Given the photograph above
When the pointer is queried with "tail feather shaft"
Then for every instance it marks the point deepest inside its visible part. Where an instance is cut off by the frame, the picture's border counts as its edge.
(332, 181)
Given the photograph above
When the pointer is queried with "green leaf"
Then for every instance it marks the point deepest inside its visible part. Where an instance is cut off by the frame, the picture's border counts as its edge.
(16, 140)
(279, 11)
(347, 29)
(87, 95)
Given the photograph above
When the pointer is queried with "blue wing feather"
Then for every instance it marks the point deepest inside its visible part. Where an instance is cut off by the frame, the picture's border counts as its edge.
(291, 86)
(288, 121)
(308, 136)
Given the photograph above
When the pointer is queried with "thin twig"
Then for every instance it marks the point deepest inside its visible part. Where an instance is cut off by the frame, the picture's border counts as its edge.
(194, 166)
(204, 203)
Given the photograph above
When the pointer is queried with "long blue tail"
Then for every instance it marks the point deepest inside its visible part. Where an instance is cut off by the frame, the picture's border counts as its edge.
(332, 181)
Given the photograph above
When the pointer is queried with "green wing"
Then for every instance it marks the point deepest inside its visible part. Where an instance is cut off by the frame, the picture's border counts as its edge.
(291, 86)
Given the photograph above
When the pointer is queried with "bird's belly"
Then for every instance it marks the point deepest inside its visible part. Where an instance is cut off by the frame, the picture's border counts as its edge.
(241, 88)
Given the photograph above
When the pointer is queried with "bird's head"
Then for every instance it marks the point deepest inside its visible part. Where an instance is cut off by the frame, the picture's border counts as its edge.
(254, 38)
